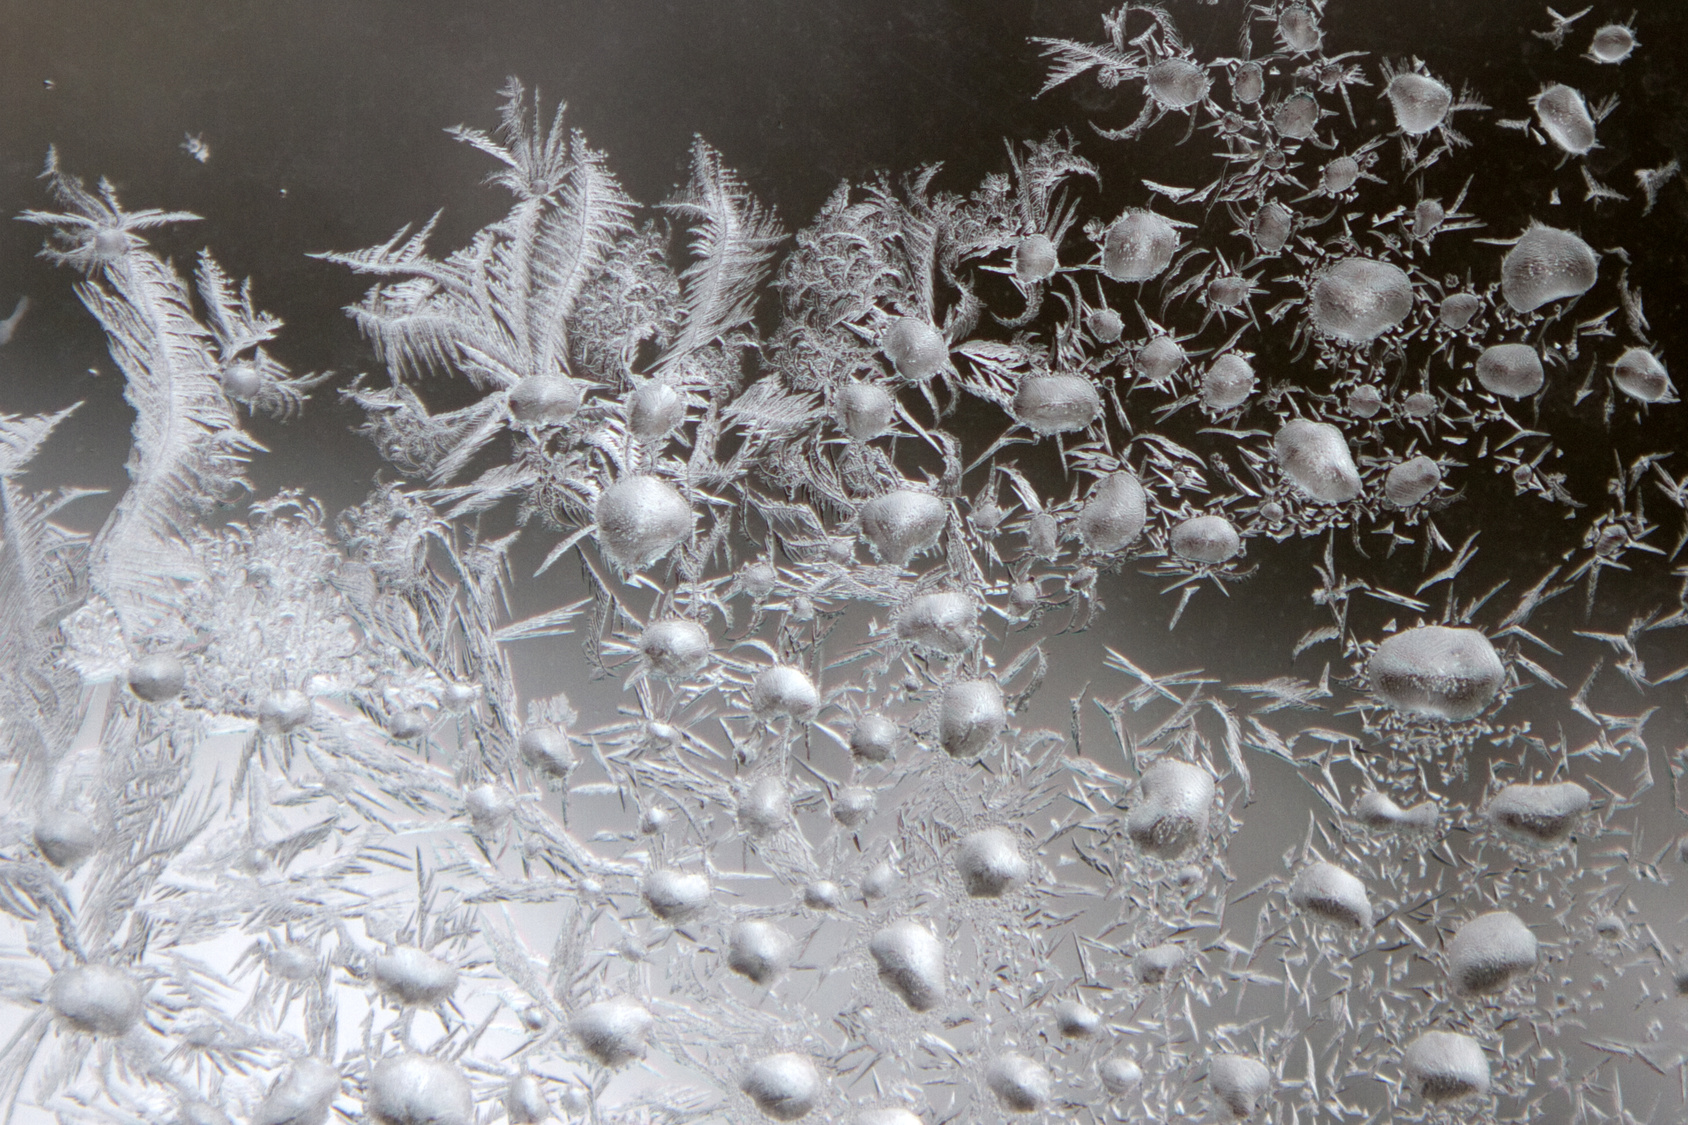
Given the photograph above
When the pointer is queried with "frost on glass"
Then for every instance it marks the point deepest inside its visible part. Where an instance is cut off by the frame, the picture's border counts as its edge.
(864, 804)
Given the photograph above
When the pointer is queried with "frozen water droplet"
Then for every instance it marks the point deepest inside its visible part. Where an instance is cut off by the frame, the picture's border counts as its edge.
(412, 722)
(1019, 1082)
(823, 894)
(157, 678)
(1445, 1066)
(1365, 401)
(1248, 84)
(990, 864)
(785, 1086)
(96, 999)
(874, 738)
(1541, 814)
(1332, 894)
(1457, 310)
(410, 976)
(1356, 300)
(1419, 405)
(613, 1031)
(545, 400)
(944, 622)
(781, 689)
(880, 881)
(1314, 457)
(902, 524)
(1206, 539)
(1436, 671)
(915, 348)
(853, 806)
(1612, 43)
(1272, 227)
(765, 807)
(1411, 481)
(1113, 516)
(1056, 404)
(1420, 102)
(524, 1101)
(640, 519)
(1139, 246)
(1299, 29)
(1228, 382)
(1105, 325)
(1076, 1021)
(911, 963)
(1296, 116)
(302, 1096)
(1639, 374)
(1563, 115)
(489, 807)
(653, 409)
(418, 1090)
(1239, 1082)
(865, 410)
(675, 648)
(1177, 83)
(547, 751)
(66, 837)
(1159, 359)
(759, 951)
(673, 895)
(241, 380)
(1171, 812)
(1035, 259)
(1119, 1074)
(1510, 370)
(1547, 264)
(1490, 950)
(971, 714)
(1158, 962)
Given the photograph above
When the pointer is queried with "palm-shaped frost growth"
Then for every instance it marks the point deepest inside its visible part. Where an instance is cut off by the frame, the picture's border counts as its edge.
(188, 446)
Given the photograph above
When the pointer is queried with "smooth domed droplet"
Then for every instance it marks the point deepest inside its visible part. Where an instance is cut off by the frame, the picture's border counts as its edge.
(545, 400)
(760, 951)
(1489, 952)
(853, 806)
(1056, 404)
(1326, 891)
(1158, 962)
(1436, 671)
(1356, 300)
(1420, 102)
(1563, 115)
(547, 750)
(911, 963)
(1228, 382)
(675, 648)
(902, 524)
(1540, 814)
(1445, 1066)
(1171, 811)
(865, 410)
(785, 1087)
(1105, 325)
(303, 1095)
(1176, 83)
(1639, 374)
(675, 895)
(1209, 540)
(1411, 481)
(613, 1031)
(874, 738)
(1315, 458)
(1612, 43)
(971, 714)
(158, 677)
(653, 410)
(640, 519)
(783, 690)
(1119, 1075)
(96, 999)
(1139, 246)
(283, 712)
(1547, 264)
(418, 1090)
(1035, 259)
(1239, 1083)
(1075, 1020)
(411, 976)
(1510, 370)
(915, 348)
(990, 864)
(1379, 810)
(765, 806)
(1021, 1084)
(66, 837)
(1114, 514)
(525, 1102)
(944, 622)
(1297, 116)
(1272, 226)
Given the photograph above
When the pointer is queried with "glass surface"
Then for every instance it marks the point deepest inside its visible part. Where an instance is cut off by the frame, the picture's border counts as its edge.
(896, 561)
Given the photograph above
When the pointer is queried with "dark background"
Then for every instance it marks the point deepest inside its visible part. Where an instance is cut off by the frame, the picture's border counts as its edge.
(325, 122)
